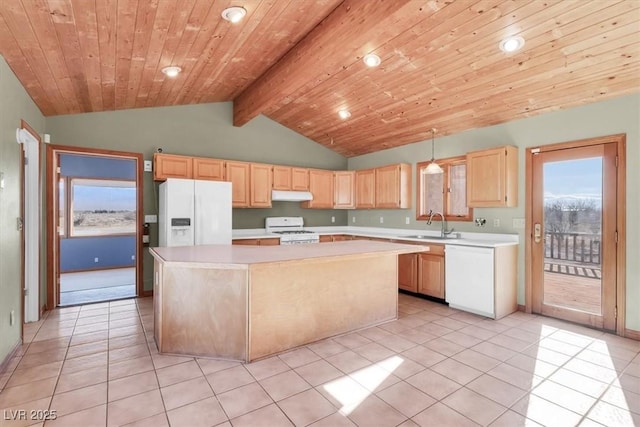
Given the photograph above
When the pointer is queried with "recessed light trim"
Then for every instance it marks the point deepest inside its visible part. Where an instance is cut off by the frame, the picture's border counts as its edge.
(344, 114)
(234, 14)
(371, 60)
(172, 71)
(511, 44)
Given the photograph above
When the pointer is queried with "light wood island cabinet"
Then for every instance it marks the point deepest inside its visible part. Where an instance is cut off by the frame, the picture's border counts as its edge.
(492, 177)
(321, 186)
(431, 272)
(344, 183)
(408, 272)
(172, 166)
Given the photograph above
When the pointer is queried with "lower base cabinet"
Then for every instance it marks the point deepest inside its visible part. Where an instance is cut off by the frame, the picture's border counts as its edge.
(431, 275)
(408, 272)
(269, 241)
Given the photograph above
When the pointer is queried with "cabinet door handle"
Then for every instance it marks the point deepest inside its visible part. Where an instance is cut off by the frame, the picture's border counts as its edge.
(537, 232)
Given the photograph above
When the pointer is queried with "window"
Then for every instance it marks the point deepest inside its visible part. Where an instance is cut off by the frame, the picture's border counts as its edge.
(100, 207)
(446, 192)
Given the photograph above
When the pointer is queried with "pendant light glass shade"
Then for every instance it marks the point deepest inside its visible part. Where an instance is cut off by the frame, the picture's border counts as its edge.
(432, 168)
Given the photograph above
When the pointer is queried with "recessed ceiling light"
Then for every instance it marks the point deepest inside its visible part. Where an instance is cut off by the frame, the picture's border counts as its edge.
(372, 60)
(344, 114)
(234, 14)
(511, 44)
(171, 71)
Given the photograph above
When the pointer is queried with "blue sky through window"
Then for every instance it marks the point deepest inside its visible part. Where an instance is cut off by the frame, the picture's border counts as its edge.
(573, 179)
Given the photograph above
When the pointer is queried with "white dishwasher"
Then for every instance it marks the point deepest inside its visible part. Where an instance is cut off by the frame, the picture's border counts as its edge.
(469, 279)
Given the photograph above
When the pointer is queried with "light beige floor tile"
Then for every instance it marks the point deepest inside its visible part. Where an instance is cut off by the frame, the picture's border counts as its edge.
(126, 341)
(450, 323)
(374, 378)
(161, 361)
(268, 367)
(624, 399)
(306, 407)
(461, 339)
(228, 379)
(269, 416)
(604, 360)
(565, 397)
(544, 412)
(209, 366)
(87, 349)
(95, 327)
(129, 321)
(205, 412)
(348, 361)
(401, 367)
(326, 348)
(125, 331)
(22, 415)
(532, 365)
(579, 383)
(78, 339)
(374, 411)
(84, 362)
(35, 390)
(560, 346)
(591, 370)
(396, 343)
(416, 336)
(443, 346)
(178, 373)
(509, 342)
(24, 376)
(39, 359)
(610, 415)
(134, 408)
(433, 384)
(513, 419)
(319, 372)
(90, 320)
(299, 357)
(334, 420)
(406, 399)
(374, 352)
(477, 332)
(353, 340)
(434, 329)
(476, 360)
(494, 351)
(424, 355)
(441, 415)
(343, 392)
(92, 417)
(374, 334)
(514, 376)
(496, 390)
(130, 367)
(630, 383)
(80, 379)
(614, 351)
(52, 344)
(130, 352)
(244, 399)
(159, 420)
(79, 399)
(186, 392)
(546, 355)
(458, 372)
(474, 406)
(132, 385)
(283, 385)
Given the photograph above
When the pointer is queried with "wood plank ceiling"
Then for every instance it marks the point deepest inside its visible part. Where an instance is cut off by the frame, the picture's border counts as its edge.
(300, 61)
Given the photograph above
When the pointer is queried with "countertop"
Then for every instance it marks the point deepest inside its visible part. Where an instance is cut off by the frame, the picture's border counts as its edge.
(243, 256)
(466, 238)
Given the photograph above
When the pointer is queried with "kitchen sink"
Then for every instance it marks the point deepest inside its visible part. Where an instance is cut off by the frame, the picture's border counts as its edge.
(426, 237)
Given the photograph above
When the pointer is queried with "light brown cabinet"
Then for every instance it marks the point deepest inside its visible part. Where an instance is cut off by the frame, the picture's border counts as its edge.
(321, 186)
(366, 189)
(290, 178)
(492, 177)
(344, 189)
(208, 169)
(239, 174)
(260, 185)
(408, 272)
(431, 274)
(172, 166)
(393, 186)
(267, 241)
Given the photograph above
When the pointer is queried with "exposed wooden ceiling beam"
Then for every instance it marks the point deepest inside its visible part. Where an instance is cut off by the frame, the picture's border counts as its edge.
(354, 26)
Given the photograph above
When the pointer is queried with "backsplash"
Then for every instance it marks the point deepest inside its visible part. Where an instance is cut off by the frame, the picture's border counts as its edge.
(254, 218)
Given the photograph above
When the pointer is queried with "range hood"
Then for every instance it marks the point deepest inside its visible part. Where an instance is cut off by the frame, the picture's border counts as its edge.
(290, 196)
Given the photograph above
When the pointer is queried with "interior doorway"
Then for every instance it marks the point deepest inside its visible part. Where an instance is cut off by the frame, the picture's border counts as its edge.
(575, 213)
(95, 223)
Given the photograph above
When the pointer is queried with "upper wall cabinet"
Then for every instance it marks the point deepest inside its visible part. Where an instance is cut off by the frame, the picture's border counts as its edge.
(366, 189)
(290, 178)
(260, 187)
(172, 166)
(393, 186)
(492, 177)
(239, 173)
(321, 186)
(208, 169)
(344, 190)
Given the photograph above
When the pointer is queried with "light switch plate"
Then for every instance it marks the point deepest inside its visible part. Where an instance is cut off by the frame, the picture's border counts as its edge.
(518, 223)
(148, 166)
(151, 219)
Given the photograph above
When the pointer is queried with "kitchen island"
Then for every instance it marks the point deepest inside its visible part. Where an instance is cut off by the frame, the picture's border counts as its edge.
(245, 303)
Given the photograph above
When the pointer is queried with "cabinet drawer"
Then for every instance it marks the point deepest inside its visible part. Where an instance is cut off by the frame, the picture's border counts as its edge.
(435, 249)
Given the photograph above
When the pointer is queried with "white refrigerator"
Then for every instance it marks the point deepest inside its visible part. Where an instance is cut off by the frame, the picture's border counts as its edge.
(194, 212)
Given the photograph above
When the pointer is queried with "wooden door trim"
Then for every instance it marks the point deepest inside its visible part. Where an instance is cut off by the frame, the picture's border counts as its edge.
(621, 205)
(52, 152)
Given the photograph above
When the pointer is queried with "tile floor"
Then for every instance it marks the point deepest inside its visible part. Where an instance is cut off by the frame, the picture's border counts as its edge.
(98, 365)
(85, 287)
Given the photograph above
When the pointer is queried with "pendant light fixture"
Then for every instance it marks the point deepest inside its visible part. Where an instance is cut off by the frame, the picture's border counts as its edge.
(432, 168)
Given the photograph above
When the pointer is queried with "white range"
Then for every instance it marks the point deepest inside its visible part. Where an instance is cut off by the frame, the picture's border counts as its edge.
(291, 230)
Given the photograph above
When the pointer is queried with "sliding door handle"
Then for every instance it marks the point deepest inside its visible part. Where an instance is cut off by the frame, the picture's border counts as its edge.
(537, 233)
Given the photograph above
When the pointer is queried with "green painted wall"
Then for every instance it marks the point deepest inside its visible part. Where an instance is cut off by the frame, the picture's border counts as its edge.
(621, 115)
(200, 130)
(15, 104)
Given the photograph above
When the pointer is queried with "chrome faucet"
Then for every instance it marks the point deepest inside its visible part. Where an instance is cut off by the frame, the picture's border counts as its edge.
(444, 232)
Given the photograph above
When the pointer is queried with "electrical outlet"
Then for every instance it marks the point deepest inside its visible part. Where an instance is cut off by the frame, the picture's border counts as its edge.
(12, 317)
(95, 259)
(518, 223)
(148, 166)
(496, 222)
(381, 220)
(333, 219)
(407, 220)
(353, 219)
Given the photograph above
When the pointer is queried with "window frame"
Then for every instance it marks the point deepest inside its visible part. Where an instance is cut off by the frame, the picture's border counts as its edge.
(69, 229)
(446, 165)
